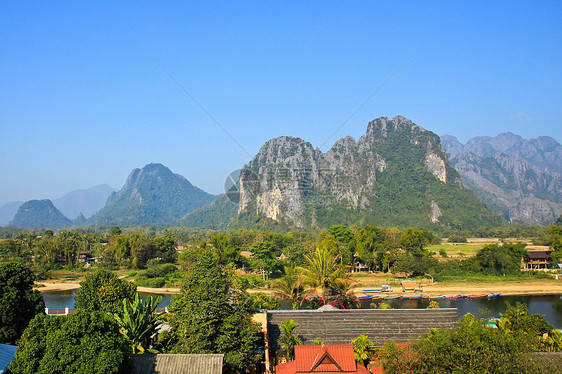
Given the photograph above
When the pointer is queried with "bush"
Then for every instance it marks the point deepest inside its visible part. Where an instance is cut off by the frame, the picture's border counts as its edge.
(156, 276)
(457, 238)
(471, 347)
(19, 302)
(102, 290)
(159, 270)
(82, 342)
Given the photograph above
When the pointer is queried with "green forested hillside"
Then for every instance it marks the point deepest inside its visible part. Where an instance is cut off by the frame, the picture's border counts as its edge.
(39, 214)
(152, 195)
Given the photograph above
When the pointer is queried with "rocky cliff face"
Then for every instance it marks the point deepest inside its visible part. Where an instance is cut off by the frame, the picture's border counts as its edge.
(516, 178)
(397, 173)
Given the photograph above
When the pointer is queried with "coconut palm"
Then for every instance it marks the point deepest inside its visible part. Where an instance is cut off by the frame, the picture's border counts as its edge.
(289, 287)
(322, 272)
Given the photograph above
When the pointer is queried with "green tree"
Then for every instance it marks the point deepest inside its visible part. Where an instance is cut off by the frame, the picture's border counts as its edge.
(415, 239)
(504, 259)
(471, 347)
(164, 248)
(114, 231)
(259, 301)
(415, 263)
(361, 346)
(516, 322)
(80, 343)
(289, 286)
(19, 302)
(457, 238)
(137, 321)
(322, 272)
(211, 315)
(554, 240)
(264, 257)
(103, 290)
(288, 340)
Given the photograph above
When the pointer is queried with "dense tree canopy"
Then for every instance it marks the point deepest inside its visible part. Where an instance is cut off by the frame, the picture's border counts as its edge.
(19, 303)
(80, 343)
(472, 347)
(499, 260)
(212, 315)
(102, 290)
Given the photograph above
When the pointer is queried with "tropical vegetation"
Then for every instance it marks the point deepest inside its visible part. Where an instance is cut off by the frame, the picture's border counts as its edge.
(82, 342)
(19, 302)
(475, 347)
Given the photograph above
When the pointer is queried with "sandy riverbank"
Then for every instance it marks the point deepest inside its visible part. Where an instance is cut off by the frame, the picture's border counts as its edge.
(521, 288)
(535, 287)
(48, 286)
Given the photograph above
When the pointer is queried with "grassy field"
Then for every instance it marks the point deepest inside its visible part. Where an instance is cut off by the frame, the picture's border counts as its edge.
(455, 250)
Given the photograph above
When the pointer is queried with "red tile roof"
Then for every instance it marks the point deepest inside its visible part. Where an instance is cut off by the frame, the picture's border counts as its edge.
(326, 359)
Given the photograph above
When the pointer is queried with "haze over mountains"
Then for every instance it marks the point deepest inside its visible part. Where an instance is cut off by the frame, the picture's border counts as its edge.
(73, 204)
(396, 174)
(517, 178)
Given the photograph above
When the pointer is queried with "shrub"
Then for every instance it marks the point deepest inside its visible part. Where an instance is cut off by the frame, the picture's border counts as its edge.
(457, 238)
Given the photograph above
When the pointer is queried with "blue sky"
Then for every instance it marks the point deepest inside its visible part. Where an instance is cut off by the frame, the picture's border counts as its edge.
(83, 103)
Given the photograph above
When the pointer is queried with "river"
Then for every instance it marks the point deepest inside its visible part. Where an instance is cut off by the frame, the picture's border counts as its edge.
(549, 305)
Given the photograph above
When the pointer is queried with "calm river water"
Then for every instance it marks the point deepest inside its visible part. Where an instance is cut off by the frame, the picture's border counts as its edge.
(549, 305)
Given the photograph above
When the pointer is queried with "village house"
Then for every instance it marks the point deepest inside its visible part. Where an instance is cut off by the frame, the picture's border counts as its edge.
(322, 359)
(341, 326)
(537, 260)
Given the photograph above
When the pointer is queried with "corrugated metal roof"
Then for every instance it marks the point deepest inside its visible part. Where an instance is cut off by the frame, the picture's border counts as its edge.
(177, 364)
(342, 326)
(548, 362)
(7, 354)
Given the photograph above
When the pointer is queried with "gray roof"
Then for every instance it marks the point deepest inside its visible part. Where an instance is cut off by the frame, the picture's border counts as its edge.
(547, 362)
(342, 326)
(7, 354)
(177, 364)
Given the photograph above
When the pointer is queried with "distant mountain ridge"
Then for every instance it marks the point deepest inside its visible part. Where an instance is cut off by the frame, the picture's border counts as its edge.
(86, 202)
(396, 174)
(152, 195)
(8, 211)
(517, 178)
(544, 152)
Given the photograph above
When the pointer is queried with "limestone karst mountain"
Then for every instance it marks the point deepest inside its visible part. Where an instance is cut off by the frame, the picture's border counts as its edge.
(517, 178)
(395, 174)
(152, 195)
(39, 214)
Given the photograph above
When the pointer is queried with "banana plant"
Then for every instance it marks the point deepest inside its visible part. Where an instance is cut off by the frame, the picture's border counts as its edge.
(138, 322)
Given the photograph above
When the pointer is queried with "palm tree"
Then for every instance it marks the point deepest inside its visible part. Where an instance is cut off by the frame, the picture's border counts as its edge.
(289, 340)
(139, 323)
(289, 287)
(344, 289)
(322, 272)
